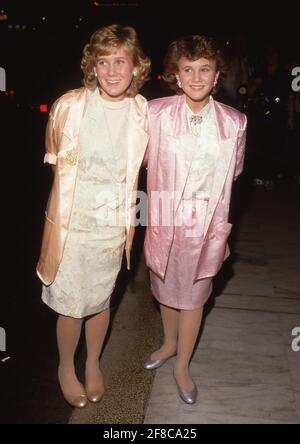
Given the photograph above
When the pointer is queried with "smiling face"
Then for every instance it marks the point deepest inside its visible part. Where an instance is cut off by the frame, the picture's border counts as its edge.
(197, 78)
(114, 73)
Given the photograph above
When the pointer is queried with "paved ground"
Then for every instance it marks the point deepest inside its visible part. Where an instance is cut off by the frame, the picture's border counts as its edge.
(244, 366)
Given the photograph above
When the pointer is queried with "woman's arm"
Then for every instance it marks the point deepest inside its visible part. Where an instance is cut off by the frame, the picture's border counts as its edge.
(241, 143)
(50, 139)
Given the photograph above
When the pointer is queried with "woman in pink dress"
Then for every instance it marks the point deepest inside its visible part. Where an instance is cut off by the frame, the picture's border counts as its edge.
(195, 152)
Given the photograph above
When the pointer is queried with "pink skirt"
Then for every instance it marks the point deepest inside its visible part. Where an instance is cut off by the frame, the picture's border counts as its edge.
(178, 289)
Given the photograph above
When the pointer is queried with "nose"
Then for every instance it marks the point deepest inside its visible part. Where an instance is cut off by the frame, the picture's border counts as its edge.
(197, 76)
(111, 69)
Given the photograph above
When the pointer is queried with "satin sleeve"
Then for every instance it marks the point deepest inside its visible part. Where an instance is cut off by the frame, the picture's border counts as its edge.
(55, 125)
(50, 139)
(241, 143)
(145, 159)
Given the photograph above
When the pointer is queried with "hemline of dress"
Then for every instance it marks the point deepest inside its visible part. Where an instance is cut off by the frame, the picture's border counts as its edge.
(180, 308)
(60, 312)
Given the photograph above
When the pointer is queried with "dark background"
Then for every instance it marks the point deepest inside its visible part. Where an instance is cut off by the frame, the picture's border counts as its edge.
(42, 59)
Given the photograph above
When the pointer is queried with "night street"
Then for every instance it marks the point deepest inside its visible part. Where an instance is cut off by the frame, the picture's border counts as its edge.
(246, 363)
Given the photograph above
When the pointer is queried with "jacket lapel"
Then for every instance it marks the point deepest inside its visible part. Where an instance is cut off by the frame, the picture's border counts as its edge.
(137, 143)
(73, 122)
(184, 144)
(226, 144)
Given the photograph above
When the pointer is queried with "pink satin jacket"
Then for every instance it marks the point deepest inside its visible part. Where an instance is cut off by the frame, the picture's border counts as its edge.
(169, 155)
(62, 149)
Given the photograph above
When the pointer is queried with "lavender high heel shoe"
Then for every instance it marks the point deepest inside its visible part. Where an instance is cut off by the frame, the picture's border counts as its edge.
(152, 364)
(189, 397)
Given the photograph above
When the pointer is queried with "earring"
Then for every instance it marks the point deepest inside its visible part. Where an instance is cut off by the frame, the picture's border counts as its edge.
(95, 73)
(134, 73)
(215, 82)
(179, 83)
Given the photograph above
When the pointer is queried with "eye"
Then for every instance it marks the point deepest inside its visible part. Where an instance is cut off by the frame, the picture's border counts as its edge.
(101, 62)
(187, 69)
(120, 61)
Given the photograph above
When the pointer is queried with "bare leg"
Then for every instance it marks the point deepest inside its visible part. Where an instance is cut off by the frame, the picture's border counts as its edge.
(189, 326)
(95, 332)
(68, 333)
(170, 318)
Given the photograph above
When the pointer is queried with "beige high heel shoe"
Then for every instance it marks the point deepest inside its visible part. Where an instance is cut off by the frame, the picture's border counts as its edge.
(78, 401)
(95, 394)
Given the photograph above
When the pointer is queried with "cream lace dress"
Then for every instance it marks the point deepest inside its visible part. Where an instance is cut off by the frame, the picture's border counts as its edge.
(94, 247)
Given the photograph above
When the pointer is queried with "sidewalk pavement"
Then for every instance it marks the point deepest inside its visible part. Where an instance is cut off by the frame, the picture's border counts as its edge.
(244, 365)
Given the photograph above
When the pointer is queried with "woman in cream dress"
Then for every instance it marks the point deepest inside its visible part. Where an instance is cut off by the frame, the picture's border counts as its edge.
(96, 140)
(96, 236)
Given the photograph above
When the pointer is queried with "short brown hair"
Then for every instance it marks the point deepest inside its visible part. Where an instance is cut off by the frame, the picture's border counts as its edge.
(192, 47)
(106, 40)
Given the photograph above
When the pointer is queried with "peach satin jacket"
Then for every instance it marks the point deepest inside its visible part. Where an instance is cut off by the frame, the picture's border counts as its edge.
(62, 149)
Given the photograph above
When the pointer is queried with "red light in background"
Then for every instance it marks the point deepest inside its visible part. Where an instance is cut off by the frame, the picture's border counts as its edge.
(158, 77)
(43, 108)
(11, 92)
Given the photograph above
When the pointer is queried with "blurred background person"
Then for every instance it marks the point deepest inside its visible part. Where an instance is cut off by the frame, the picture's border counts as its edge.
(270, 90)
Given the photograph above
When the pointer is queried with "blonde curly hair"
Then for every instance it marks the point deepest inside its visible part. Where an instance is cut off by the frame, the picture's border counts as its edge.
(105, 41)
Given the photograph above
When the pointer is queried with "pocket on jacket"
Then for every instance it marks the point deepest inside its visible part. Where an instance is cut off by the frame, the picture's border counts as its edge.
(49, 226)
(221, 231)
(215, 250)
(47, 218)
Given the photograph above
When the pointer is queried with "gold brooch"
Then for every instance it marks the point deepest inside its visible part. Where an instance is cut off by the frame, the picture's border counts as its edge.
(72, 156)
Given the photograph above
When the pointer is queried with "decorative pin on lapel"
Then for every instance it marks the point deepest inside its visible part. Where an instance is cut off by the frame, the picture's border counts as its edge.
(72, 156)
(196, 120)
